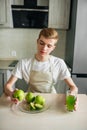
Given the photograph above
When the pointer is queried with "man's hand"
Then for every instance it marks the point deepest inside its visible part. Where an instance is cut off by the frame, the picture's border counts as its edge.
(14, 100)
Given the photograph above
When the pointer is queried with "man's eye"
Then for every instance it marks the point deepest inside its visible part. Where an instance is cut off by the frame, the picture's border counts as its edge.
(49, 46)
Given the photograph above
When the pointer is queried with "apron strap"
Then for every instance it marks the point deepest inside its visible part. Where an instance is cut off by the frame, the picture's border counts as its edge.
(32, 62)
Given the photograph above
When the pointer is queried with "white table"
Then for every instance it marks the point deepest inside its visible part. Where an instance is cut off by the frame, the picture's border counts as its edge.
(55, 118)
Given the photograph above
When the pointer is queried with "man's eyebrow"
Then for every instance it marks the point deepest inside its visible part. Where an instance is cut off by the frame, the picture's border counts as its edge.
(42, 41)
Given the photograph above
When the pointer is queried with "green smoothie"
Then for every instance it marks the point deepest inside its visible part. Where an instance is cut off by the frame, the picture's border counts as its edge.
(70, 102)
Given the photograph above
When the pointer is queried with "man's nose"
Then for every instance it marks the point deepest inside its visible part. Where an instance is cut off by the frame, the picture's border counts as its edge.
(45, 47)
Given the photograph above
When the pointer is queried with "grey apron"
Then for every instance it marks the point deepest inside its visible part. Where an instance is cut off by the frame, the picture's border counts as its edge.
(41, 81)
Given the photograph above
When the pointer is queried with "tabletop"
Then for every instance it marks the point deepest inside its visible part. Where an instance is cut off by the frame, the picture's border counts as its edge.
(54, 118)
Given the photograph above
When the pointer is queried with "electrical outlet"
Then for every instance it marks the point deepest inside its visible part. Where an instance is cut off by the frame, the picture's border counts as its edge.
(13, 53)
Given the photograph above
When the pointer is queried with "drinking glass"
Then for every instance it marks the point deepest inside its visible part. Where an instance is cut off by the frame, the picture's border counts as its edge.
(70, 100)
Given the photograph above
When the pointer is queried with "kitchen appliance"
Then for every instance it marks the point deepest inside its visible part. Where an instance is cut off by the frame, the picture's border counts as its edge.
(76, 46)
(30, 16)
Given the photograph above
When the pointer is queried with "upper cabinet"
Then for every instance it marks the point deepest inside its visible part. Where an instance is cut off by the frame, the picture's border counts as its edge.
(2, 12)
(17, 2)
(59, 11)
(5, 14)
(57, 17)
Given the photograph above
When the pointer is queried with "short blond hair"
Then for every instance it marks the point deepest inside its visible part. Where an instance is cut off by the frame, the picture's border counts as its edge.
(50, 33)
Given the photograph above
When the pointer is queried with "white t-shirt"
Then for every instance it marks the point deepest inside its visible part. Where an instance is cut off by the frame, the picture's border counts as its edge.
(59, 68)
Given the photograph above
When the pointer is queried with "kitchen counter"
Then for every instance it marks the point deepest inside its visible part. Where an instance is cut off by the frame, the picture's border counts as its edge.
(4, 63)
(54, 118)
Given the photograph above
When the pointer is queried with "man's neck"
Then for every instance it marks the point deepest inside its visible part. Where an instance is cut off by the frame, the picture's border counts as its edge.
(42, 58)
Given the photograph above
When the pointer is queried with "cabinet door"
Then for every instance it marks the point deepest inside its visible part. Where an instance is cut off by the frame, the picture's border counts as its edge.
(2, 11)
(59, 11)
(5, 14)
(17, 2)
(1, 83)
(42, 2)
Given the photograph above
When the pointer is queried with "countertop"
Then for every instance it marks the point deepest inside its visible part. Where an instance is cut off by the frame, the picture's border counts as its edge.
(4, 63)
(54, 118)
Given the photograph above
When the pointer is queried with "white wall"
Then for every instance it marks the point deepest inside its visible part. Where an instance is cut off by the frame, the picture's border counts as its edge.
(23, 41)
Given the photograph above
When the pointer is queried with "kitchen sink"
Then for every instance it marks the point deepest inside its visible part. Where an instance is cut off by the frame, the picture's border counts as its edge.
(13, 64)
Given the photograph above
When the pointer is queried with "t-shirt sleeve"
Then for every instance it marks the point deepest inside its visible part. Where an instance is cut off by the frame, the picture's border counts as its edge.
(64, 71)
(17, 71)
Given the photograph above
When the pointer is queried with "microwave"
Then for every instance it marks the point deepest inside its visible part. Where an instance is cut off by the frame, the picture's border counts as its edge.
(28, 17)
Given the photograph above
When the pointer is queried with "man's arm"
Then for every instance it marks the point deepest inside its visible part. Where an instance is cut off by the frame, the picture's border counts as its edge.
(8, 86)
(71, 84)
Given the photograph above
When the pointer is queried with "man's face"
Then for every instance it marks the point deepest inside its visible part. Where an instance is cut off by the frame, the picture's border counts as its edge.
(45, 46)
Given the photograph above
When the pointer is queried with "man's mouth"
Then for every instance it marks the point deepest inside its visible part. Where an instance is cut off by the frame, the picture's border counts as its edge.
(43, 52)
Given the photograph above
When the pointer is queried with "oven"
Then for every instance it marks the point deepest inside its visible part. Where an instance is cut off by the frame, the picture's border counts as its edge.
(28, 17)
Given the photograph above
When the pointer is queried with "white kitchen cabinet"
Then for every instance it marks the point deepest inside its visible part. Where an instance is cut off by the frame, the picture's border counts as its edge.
(43, 2)
(17, 2)
(2, 12)
(5, 14)
(59, 11)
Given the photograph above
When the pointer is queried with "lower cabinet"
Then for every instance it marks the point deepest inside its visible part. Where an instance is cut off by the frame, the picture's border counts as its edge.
(3, 77)
(1, 83)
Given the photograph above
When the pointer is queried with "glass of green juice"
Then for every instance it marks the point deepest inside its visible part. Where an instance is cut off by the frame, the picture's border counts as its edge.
(70, 100)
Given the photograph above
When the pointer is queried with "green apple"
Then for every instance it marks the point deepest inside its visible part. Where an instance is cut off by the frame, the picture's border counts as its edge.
(38, 106)
(19, 94)
(40, 100)
(29, 97)
(32, 106)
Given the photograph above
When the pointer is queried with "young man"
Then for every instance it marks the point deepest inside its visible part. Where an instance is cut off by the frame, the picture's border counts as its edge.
(43, 70)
